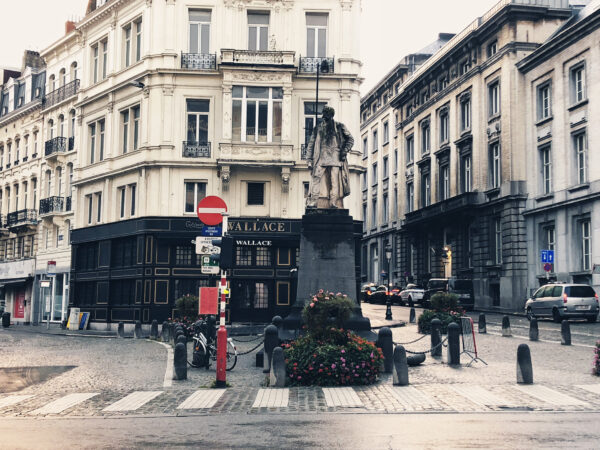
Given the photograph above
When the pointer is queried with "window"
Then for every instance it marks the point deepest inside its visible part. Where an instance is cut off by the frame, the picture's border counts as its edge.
(35, 143)
(374, 174)
(90, 208)
(263, 256)
(543, 101)
(26, 148)
(316, 35)
(199, 31)
(98, 196)
(466, 175)
(122, 200)
(183, 255)
(197, 121)
(59, 181)
(385, 168)
(494, 165)
(497, 241)
(586, 245)
(465, 66)
(425, 190)
(494, 99)
(580, 144)
(365, 147)
(194, 192)
(386, 133)
(492, 48)
(99, 60)
(96, 130)
(410, 149)
(425, 138)
(363, 181)
(395, 160)
(257, 114)
(375, 140)
(385, 208)
(364, 216)
(550, 238)
(444, 126)
(243, 256)
(34, 189)
(546, 162)
(395, 204)
(130, 137)
(309, 118)
(256, 194)
(126, 197)
(410, 197)
(258, 31)
(306, 185)
(444, 182)
(374, 213)
(132, 192)
(465, 114)
(17, 150)
(577, 82)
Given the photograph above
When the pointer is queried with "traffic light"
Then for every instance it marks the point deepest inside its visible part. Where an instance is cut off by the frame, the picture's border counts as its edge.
(225, 256)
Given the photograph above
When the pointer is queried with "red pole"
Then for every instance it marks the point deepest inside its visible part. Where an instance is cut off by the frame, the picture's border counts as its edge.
(222, 339)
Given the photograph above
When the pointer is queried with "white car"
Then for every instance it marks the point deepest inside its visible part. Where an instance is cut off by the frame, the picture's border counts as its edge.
(413, 293)
(561, 300)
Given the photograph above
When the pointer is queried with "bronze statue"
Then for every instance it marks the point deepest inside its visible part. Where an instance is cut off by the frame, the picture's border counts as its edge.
(329, 144)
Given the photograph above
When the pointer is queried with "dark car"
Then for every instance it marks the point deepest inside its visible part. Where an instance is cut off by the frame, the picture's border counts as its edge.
(395, 298)
(434, 285)
(463, 288)
(365, 292)
(380, 295)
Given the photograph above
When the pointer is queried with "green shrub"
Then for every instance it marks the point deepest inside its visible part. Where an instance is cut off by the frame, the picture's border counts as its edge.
(187, 307)
(424, 321)
(443, 301)
(326, 310)
(343, 358)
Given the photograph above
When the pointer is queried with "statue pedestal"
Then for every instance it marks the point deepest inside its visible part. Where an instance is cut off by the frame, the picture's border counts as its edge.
(328, 261)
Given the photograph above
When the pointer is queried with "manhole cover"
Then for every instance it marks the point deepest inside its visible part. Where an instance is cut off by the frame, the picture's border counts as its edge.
(14, 379)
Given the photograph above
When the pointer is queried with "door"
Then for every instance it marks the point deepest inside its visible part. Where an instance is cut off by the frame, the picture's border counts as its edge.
(536, 305)
(57, 299)
(19, 308)
(252, 301)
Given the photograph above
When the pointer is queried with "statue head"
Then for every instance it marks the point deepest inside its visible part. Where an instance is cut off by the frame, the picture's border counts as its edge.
(328, 113)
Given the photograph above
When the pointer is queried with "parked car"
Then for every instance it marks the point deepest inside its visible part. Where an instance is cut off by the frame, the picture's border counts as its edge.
(434, 285)
(463, 288)
(365, 292)
(563, 300)
(413, 293)
(380, 294)
(394, 292)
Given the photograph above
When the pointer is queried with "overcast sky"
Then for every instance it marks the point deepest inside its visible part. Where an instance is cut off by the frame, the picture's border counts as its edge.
(389, 30)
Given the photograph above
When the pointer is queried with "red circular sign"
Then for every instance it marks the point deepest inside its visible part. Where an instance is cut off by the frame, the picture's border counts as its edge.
(547, 267)
(209, 210)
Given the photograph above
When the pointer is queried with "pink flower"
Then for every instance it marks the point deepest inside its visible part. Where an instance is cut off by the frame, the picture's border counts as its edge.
(312, 305)
(339, 294)
(343, 351)
(333, 366)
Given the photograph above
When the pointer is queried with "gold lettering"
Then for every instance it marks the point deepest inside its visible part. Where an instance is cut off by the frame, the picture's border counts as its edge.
(280, 226)
(272, 226)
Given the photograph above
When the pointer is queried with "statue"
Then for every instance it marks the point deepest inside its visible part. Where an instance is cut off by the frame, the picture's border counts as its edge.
(326, 154)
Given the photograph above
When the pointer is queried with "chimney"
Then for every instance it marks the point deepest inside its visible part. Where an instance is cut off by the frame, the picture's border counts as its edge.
(32, 59)
(69, 26)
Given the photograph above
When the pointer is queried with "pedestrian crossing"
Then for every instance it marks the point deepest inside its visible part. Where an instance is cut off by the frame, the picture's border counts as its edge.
(378, 398)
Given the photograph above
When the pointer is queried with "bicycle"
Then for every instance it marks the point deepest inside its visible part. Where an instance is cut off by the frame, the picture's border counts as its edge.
(205, 349)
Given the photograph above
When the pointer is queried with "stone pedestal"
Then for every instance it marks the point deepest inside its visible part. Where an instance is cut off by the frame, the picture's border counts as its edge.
(328, 261)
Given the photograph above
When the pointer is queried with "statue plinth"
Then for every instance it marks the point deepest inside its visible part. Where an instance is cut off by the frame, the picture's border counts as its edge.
(328, 261)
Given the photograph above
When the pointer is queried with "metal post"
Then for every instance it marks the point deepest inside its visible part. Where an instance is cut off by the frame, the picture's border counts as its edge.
(222, 338)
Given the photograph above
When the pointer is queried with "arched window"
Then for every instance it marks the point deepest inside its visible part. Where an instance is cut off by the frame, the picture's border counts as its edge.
(34, 192)
(48, 183)
(69, 190)
(62, 77)
(50, 129)
(51, 83)
(59, 181)
(16, 191)
(72, 123)
(25, 195)
(73, 73)
(67, 239)
(61, 125)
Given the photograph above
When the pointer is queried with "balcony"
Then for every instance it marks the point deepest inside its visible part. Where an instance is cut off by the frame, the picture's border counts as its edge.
(55, 146)
(199, 61)
(309, 65)
(455, 205)
(60, 94)
(193, 149)
(256, 154)
(52, 205)
(257, 57)
(21, 218)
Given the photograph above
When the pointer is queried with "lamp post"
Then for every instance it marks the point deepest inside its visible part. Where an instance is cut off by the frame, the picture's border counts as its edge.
(322, 67)
(388, 300)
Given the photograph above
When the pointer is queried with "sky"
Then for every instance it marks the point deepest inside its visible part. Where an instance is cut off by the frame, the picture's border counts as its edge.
(390, 29)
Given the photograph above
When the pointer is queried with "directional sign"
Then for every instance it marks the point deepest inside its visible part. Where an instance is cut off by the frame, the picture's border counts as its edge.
(547, 256)
(209, 266)
(212, 231)
(210, 210)
(203, 245)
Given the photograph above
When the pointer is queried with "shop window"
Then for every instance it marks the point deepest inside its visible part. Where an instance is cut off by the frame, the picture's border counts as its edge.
(183, 255)
(283, 293)
(243, 256)
(261, 296)
(263, 256)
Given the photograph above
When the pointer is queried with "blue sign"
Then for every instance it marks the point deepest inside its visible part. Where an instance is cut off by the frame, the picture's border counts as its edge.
(548, 256)
(212, 231)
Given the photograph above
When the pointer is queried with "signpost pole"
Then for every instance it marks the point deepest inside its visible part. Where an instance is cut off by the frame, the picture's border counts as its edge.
(222, 333)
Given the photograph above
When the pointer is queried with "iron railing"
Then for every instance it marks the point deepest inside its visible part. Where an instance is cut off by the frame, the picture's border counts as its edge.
(309, 65)
(52, 205)
(193, 149)
(56, 145)
(60, 94)
(68, 204)
(21, 217)
(199, 61)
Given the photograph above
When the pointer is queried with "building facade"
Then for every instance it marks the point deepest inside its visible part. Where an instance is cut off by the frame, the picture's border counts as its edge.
(177, 102)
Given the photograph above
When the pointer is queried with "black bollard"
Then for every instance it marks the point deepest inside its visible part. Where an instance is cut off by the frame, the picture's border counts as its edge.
(565, 332)
(400, 367)
(277, 321)
(121, 330)
(180, 362)
(412, 318)
(386, 344)
(164, 332)
(506, 327)
(415, 360)
(271, 341)
(388, 309)
(436, 347)
(137, 331)
(524, 366)
(482, 328)
(534, 333)
(154, 330)
(277, 375)
(454, 344)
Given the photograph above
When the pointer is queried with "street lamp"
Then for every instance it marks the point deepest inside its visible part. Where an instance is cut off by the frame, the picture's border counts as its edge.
(388, 301)
(322, 67)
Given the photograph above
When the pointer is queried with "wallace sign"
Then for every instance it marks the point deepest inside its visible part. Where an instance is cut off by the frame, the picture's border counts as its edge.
(262, 226)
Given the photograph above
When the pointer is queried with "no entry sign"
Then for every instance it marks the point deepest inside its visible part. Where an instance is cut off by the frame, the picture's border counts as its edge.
(210, 208)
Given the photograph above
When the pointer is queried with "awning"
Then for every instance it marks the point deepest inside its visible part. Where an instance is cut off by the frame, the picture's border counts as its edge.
(13, 281)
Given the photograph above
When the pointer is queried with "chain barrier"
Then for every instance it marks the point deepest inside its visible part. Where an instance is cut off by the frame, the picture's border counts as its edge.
(411, 342)
(428, 351)
(250, 351)
(249, 340)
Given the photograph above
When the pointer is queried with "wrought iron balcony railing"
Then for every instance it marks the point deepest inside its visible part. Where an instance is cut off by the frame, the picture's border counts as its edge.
(199, 61)
(56, 145)
(71, 143)
(266, 57)
(21, 217)
(60, 94)
(68, 204)
(193, 149)
(309, 65)
(52, 205)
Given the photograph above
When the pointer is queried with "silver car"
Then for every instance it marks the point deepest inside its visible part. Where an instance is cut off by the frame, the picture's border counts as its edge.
(562, 301)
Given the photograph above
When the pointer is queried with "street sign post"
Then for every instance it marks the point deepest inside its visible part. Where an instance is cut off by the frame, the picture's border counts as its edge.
(547, 267)
(51, 268)
(209, 266)
(547, 256)
(210, 210)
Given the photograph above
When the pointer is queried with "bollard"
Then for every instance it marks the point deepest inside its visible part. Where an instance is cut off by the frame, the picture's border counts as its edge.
(436, 348)
(121, 330)
(524, 366)
(181, 338)
(137, 331)
(164, 332)
(180, 362)
(278, 370)
(271, 341)
(154, 330)
(454, 344)
(481, 326)
(400, 367)
(277, 321)
(565, 332)
(412, 316)
(386, 344)
(534, 333)
(415, 360)
(260, 358)
(506, 327)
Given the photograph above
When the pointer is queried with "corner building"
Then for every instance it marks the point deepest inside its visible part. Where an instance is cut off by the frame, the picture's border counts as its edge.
(178, 102)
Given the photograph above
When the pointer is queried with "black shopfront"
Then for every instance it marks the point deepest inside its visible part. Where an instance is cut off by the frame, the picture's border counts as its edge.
(136, 269)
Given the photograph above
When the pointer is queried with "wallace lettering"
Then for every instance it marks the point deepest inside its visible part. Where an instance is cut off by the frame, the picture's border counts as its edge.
(254, 243)
(257, 226)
